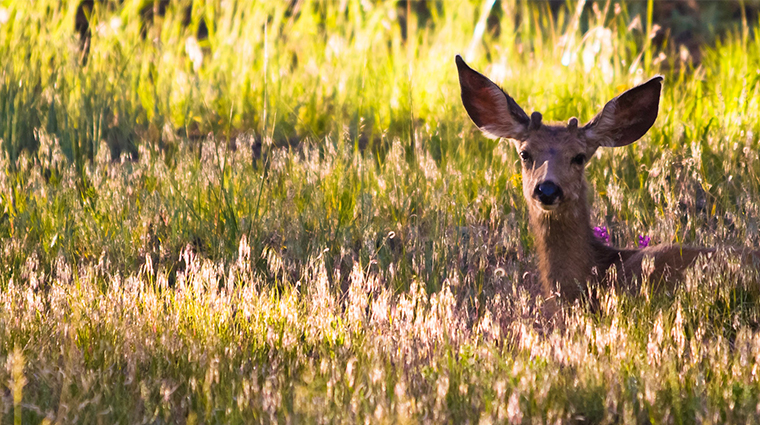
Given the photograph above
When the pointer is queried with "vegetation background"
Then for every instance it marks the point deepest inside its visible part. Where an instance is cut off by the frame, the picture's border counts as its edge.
(220, 211)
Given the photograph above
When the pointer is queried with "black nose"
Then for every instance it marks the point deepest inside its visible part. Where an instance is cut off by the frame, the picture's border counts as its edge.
(548, 192)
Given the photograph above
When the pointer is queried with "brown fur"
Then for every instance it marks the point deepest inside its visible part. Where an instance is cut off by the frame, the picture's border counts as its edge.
(569, 254)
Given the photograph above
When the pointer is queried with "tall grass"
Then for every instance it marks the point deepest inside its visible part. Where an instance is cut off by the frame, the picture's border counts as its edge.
(294, 220)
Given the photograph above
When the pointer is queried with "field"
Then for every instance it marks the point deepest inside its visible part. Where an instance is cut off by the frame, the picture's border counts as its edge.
(290, 218)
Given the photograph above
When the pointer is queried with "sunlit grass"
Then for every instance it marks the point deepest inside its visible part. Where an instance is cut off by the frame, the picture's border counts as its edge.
(294, 220)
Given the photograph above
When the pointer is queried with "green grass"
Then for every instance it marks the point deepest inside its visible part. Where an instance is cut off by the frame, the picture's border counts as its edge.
(305, 226)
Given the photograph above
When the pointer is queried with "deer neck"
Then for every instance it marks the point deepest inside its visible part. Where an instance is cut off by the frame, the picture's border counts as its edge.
(564, 241)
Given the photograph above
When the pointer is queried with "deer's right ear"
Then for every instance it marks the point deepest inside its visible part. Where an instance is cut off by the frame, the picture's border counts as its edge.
(490, 108)
(627, 117)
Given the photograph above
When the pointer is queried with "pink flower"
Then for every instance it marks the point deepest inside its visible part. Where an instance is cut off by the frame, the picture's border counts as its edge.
(602, 234)
(644, 241)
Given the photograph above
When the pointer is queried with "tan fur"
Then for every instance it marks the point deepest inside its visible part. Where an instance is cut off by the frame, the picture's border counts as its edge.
(568, 252)
(569, 255)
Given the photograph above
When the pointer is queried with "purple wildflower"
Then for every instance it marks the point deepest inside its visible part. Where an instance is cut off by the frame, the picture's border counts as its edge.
(602, 234)
(644, 241)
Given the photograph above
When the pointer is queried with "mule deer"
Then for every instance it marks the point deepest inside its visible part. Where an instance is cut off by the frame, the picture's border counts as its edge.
(554, 185)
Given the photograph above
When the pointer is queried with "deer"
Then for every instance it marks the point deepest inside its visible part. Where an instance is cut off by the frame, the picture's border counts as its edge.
(554, 157)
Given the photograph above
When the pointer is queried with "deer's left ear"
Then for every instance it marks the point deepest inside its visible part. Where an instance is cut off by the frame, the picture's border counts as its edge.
(627, 117)
(494, 112)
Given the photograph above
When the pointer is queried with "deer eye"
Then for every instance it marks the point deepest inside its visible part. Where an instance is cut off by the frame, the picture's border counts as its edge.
(525, 156)
(579, 159)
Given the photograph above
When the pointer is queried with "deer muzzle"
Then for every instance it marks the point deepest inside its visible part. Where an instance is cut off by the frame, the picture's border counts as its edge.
(548, 194)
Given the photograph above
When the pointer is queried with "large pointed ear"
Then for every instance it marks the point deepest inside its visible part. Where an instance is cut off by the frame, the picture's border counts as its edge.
(627, 117)
(490, 108)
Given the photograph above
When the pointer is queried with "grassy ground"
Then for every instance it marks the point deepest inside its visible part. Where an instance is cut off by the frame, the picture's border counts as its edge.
(294, 220)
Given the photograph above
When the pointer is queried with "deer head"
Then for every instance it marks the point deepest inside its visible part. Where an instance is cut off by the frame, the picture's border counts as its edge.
(554, 156)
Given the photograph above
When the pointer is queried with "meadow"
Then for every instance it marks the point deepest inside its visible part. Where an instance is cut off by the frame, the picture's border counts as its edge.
(293, 220)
